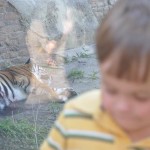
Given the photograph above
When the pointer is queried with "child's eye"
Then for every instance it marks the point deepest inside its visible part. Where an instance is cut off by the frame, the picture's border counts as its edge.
(111, 91)
(141, 99)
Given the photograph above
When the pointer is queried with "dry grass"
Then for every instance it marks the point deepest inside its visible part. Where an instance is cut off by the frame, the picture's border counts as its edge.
(26, 131)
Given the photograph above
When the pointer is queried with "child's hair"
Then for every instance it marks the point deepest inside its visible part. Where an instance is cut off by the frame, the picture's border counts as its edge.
(125, 34)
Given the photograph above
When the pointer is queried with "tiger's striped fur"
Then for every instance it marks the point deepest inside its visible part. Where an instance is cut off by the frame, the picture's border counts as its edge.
(17, 82)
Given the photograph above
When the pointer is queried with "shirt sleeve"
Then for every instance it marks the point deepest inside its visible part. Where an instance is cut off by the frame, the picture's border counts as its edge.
(56, 139)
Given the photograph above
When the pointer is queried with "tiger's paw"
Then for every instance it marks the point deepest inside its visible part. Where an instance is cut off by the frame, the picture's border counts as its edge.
(64, 94)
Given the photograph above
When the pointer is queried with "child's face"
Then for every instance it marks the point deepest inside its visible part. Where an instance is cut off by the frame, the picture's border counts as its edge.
(127, 102)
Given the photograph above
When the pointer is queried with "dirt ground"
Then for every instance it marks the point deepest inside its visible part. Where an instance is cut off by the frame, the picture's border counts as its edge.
(82, 72)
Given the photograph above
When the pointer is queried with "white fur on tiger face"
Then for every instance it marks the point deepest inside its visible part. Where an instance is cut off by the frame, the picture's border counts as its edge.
(4, 101)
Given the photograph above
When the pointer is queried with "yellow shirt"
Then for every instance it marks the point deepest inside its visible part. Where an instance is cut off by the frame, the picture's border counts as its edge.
(82, 125)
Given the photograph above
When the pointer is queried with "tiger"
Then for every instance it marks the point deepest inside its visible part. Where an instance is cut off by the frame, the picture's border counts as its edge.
(17, 82)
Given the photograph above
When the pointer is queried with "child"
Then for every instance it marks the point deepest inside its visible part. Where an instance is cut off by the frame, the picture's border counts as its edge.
(118, 116)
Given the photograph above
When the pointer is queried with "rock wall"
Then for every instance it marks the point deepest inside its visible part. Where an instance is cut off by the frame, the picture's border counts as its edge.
(37, 25)
(13, 48)
(100, 7)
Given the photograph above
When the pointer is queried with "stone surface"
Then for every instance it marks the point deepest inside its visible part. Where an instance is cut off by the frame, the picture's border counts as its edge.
(47, 27)
(12, 36)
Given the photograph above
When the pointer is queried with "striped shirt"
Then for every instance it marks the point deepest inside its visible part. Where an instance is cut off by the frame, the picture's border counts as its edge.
(82, 125)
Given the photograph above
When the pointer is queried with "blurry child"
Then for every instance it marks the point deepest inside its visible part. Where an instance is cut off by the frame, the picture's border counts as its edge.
(117, 117)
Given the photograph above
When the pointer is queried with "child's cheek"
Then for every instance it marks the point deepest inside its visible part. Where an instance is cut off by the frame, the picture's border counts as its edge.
(107, 101)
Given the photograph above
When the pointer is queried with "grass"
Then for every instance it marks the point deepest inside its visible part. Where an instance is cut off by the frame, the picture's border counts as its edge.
(93, 75)
(16, 135)
(66, 60)
(76, 57)
(10, 128)
(55, 108)
(76, 74)
(82, 55)
(28, 134)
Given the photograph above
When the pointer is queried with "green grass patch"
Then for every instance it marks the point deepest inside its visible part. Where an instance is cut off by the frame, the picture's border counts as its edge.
(76, 74)
(94, 75)
(55, 108)
(9, 127)
(16, 135)
(66, 60)
(82, 55)
(76, 57)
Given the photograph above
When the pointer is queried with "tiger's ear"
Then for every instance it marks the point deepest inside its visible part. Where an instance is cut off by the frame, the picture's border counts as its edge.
(28, 61)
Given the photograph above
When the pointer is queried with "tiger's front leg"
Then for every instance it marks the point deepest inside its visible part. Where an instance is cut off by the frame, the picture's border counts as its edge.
(39, 88)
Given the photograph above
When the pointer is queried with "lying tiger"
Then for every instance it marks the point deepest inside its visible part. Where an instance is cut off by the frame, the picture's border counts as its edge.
(17, 82)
